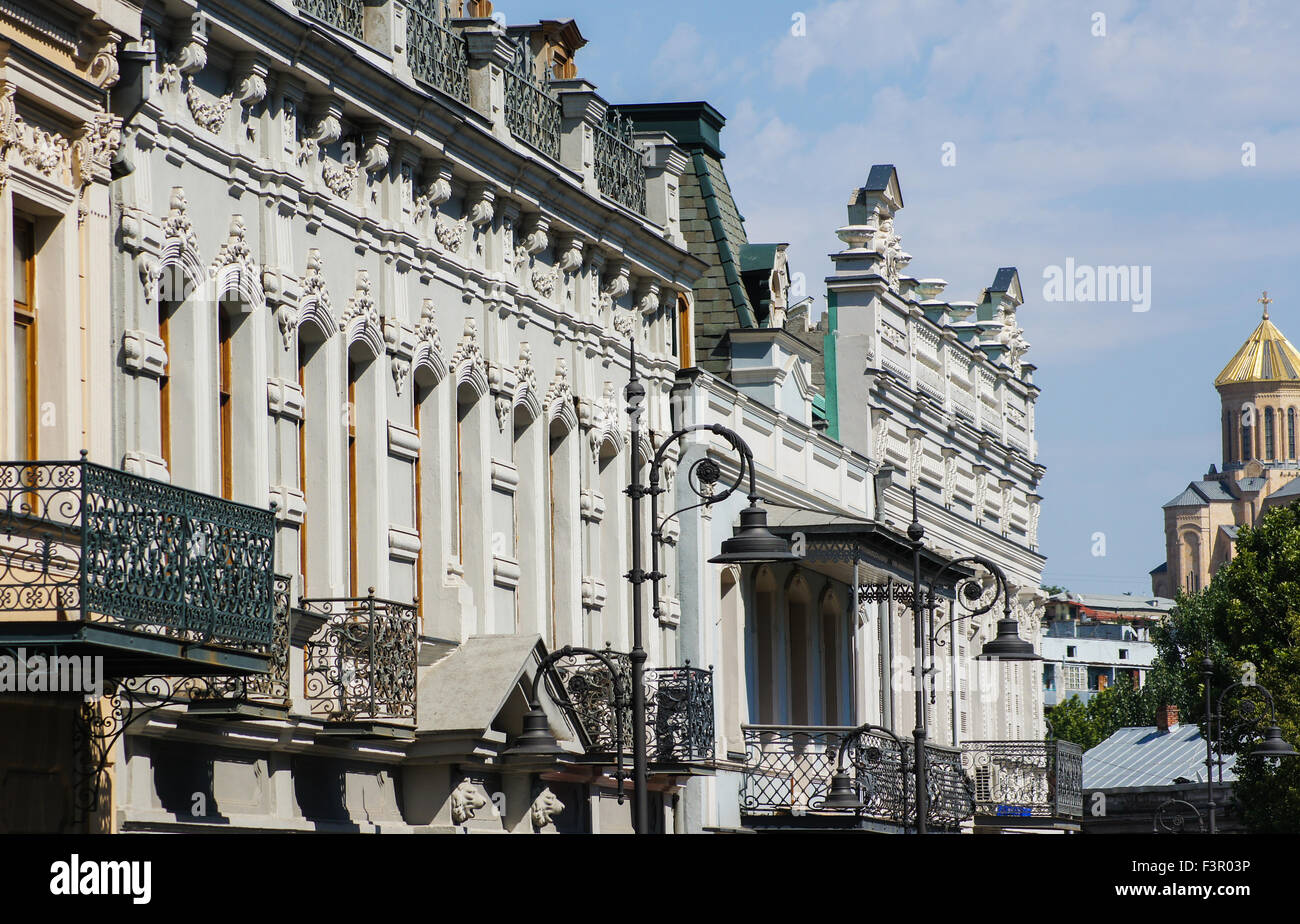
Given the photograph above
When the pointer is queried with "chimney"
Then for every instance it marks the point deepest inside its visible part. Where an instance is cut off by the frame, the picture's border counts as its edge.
(1167, 718)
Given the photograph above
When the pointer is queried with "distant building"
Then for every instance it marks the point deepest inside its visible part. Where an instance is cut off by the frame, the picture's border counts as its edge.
(1143, 772)
(1260, 392)
(1091, 641)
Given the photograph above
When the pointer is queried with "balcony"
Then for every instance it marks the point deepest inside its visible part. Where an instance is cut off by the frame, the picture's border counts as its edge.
(362, 660)
(788, 770)
(156, 579)
(437, 55)
(345, 15)
(620, 168)
(679, 710)
(1031, 781)
(532, 113)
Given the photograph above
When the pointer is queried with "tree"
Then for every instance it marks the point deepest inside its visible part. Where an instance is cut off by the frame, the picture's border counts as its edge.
(1089, 724)
(1248, 622)
(1053, 589)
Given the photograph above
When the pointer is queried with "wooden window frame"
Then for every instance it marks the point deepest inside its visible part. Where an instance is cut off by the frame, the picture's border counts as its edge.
(225, 403)
(24, 311)
(354, 372)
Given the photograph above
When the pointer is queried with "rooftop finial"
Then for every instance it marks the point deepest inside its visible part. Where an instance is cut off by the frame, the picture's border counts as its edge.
(1265, 301)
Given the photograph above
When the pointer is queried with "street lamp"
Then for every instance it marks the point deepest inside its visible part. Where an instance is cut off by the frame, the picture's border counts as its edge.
(751, 542)
(843, 791)
(1273, 745)
(1007, 645)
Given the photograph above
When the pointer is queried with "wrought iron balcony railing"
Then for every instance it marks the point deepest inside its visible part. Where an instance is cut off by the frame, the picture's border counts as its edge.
(345, 15)
(1027, 779)
(137, 554)
(532, 113)
(679, 708)
(362, 660)
(788, 770)
(620, 168)
(437, 55)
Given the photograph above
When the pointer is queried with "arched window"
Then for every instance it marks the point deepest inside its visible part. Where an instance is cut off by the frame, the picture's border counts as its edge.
(1290, 433)
(1268, 434)
(830, 632)
(1247, 433)
(24, 365)
(798, 604)
(564, 524)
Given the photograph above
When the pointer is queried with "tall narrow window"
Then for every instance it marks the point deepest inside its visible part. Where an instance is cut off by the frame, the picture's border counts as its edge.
(458, 528)
(1247, 436)
(553, 544)
(354, 372)
(1290, 433)
(830, 660)
(302, 467)
(765, 631)
(165, 385)
(1268, 434)
(225, 405)
(686, 351)
(24, 366)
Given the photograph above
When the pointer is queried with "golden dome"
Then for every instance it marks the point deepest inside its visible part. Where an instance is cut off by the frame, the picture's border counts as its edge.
(1266, 356)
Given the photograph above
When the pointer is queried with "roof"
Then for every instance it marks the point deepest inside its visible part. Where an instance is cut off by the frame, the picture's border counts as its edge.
(1230, 531)
(1266, 356)
(1290, 489)
(1251, 485)
(1113, 602)
(1200, 493)
(1145, 756)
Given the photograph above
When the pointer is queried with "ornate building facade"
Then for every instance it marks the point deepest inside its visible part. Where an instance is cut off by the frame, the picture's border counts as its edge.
(1259, 397)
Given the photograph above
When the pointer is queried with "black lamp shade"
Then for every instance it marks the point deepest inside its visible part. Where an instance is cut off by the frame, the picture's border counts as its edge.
(1008, 645)
(536, 739)
(1274, 745)
(752, 541)
(843, 794)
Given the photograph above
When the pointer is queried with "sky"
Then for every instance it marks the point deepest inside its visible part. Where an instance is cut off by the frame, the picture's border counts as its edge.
(1159, 135)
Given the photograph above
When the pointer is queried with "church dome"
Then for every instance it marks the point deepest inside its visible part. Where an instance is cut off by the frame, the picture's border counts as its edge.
(1266, 356)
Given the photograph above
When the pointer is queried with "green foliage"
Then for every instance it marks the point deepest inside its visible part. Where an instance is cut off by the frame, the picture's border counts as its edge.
(1249, 617)
(1053, 589)
(1089, 724)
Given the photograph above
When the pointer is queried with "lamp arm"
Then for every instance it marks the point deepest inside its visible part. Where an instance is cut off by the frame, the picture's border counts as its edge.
(998, 576)
(548, 663)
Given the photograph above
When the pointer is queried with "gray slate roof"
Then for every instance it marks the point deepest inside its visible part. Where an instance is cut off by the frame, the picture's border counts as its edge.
(1200, 493)
(1144, 756)
(1114, 601)
(1290, 489)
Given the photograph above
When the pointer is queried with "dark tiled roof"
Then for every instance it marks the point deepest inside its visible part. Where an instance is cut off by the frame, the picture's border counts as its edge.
(1200, 493)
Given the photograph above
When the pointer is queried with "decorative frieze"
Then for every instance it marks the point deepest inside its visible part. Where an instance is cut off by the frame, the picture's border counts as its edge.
(450, 234)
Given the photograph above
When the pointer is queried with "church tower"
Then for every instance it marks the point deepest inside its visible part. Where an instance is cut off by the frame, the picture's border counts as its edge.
(1259, 393)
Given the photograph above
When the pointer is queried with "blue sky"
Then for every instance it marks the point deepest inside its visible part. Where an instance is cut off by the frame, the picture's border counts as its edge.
(1125, 148)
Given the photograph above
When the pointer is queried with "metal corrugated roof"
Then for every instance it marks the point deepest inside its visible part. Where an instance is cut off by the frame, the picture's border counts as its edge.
(1145, 756)
(1266, 356)
(1200, 493)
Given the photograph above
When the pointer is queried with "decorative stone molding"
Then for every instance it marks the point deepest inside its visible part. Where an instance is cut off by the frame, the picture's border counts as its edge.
(568, 254)
(361, 317)
(647, 298)
(593, 593)
(341, 179)
(93, 150)
(480, 204)
(559, 396)
(326, 130)
(435, 188)
(618, 282)
(403, 442)
(401, 370)
(605, 423)
(544, 280)
(314, 304)
(466, 800)
(467, 360)
(450, 234)
(536, 234)
(374, 152)
(545, 809)
(146, 465)
(143, 353)
(150, 273)
(403, 544)
(525, 393)
(208, 115)
(428, 343)
(285, 399)
(235, 271)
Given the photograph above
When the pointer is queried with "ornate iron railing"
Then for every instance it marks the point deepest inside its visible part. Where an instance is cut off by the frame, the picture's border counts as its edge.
(788, 771)
(620, 168)
(362, 661)
(1029, 779)
(273, 686)
(136, 553)
(437, 55)
(532, 113)
(344, 15)
(679, 708)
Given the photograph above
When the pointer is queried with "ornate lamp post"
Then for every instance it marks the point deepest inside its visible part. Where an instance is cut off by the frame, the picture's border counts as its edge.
(1273, 745)
(751, 542)
(1006, 646)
